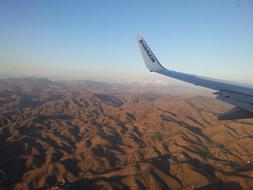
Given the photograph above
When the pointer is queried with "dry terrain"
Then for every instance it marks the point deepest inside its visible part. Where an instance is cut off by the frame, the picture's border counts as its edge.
(56, 135)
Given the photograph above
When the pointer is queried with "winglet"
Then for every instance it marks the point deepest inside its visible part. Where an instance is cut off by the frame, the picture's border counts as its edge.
(149, 58)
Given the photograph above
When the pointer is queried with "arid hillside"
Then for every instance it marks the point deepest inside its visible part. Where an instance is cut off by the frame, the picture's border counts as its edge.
(56, 135)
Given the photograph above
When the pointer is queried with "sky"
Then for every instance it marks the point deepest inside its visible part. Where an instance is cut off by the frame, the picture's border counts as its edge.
(96, 39)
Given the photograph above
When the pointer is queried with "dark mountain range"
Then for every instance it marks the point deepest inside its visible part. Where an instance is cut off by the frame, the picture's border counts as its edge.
(92, 135)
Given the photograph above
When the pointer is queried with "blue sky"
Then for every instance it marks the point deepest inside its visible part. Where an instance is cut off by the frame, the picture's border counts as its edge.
(95, 39)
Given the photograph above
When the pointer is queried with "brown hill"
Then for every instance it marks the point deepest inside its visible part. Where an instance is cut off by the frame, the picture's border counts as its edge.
(61, 136)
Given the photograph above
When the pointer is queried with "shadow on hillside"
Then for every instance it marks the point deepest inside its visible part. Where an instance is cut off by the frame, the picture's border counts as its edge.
(109, 99)
(115, 182)
(71, 165)
(164, 166)
(11, 164)
(187, 126)
(222, 186)
(60, 117)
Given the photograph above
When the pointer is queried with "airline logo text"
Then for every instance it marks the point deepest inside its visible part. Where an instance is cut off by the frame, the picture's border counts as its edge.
(147, 51)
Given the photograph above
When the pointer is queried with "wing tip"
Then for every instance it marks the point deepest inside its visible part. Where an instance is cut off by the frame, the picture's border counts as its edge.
(139, 37)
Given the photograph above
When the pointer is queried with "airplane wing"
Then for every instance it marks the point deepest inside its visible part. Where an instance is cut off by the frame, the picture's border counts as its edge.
(239, 95)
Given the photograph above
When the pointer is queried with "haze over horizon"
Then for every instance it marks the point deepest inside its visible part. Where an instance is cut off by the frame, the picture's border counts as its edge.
(96, 40)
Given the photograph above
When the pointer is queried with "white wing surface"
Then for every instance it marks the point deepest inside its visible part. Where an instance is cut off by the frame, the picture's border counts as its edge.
(239, 95)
